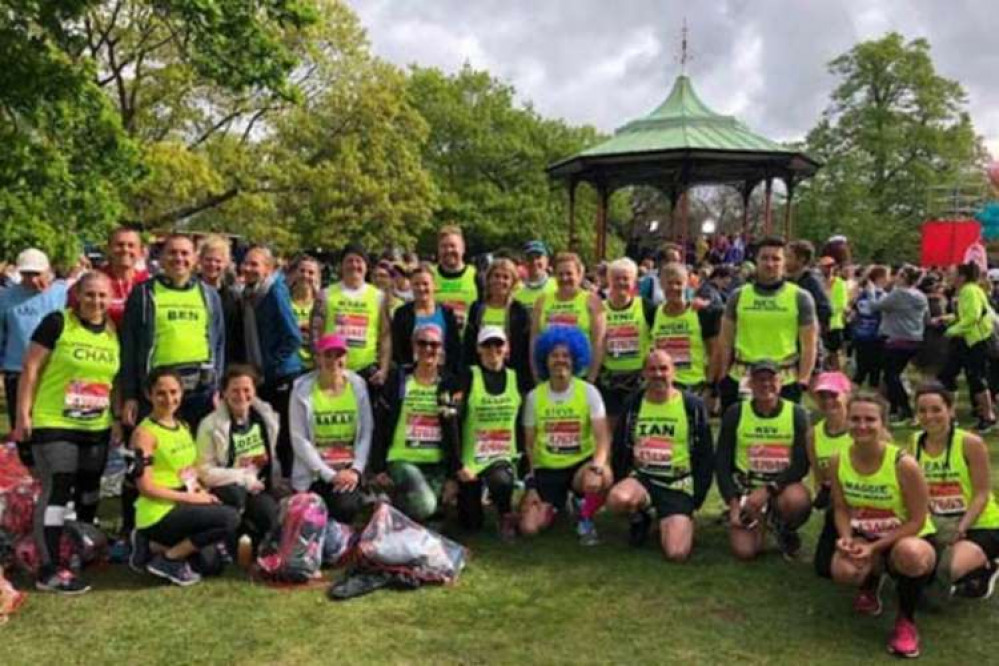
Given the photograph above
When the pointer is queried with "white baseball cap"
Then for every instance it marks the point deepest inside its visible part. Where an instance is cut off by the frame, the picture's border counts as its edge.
(32, 260)
(993, 275)
(491, 333)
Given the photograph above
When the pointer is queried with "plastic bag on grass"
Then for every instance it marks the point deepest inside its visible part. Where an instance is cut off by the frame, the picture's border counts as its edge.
(340, 541)
(18, 493)
(81, 545)
(394, 543)
(293, 553)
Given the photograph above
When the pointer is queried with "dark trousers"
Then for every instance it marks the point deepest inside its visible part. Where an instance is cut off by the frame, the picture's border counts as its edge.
(896, 358)
(278, 394)
(869, 355)
(498, 478)
(341, 506)
(10, 380)
(203, 524)
(258, 511)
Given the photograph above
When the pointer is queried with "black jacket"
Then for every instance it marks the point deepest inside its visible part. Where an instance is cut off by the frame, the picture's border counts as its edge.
(811, 282)
(699, 441)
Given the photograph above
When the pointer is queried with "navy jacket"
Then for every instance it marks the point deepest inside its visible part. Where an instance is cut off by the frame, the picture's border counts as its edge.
(278, 332)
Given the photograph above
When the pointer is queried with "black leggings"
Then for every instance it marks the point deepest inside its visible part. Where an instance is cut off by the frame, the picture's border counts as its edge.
(203, 524)
(825, 548)
(895, 360)
(258, 511)
(278, 395)
(499, 480)
(341, 506)
(69, 472)
(869, 355)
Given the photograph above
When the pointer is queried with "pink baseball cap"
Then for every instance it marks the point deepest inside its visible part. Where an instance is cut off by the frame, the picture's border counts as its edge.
(833, 382)
(331, 341)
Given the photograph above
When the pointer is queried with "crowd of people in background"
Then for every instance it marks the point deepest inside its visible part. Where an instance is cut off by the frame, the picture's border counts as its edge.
(522, 382)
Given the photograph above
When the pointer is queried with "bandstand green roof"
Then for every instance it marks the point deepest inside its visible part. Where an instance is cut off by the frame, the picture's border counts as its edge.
(684, 143)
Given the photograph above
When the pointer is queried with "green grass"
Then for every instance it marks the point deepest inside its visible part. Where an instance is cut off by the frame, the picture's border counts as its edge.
(542, 601)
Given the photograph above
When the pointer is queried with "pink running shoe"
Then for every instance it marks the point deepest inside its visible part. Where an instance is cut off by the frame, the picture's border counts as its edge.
(904, 639)
(867, 602)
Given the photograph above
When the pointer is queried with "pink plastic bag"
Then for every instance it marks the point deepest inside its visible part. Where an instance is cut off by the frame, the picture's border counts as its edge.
(19, 493)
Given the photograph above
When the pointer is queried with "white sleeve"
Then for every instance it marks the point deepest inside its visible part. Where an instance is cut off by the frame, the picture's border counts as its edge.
(595, 402)
(527, 419)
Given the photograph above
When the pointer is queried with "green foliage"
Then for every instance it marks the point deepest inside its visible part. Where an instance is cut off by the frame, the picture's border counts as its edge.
(893, 130)
(488, 156)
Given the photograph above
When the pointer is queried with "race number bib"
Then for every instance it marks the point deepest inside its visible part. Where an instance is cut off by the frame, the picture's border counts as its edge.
(86, 401)
(654, 452)
(353, 327)
(678, 347)
(337, 455)
(563, 319)
(492, 444)
(874, 523)
(623, 341)
(768, 458)
(564, 437)
(423, 431)
(946, 499)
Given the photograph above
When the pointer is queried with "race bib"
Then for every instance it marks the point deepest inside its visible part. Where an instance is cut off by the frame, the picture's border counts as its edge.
(678, 347)
(946, 499)
(623, 341)
(492, 444)
(564, 437)
(874, 523)
(353, 327)
(337, 455)
(654, 452)
(86, 401)
(189, 477)
(423, 431)
(563, 319)
(768, 458)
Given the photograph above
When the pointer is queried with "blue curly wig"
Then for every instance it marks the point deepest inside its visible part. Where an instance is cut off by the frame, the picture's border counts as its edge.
(562, 336)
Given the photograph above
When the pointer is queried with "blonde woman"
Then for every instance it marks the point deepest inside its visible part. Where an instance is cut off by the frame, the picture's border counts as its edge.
(499, 308)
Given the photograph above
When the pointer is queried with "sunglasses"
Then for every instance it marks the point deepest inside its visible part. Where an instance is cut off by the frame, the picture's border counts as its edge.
(492, 343)
(428, 344)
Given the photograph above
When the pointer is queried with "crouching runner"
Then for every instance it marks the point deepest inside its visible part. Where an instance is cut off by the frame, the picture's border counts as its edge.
(761, 461)
(663, 454)
(565, 436)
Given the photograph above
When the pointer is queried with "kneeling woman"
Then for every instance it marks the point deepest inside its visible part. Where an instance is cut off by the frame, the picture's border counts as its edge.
(236, 452)
(411, 455)
(489, 434)
(956, 465)
(880, 499)
(331, 426)
(174, 510)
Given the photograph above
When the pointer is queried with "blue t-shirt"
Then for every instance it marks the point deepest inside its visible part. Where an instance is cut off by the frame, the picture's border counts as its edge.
(20, 312)
(436, 319)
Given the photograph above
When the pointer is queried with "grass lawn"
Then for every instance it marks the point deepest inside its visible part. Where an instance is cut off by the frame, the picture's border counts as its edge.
(542, 601)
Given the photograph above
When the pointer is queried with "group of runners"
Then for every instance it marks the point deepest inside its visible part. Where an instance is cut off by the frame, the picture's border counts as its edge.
(434, 386)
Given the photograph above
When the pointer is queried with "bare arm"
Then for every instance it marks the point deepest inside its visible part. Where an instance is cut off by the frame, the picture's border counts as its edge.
(916, 495)
(808, 339)
(725, 341)
(977, 457)
(535, 332)
(145, 443)
(598, 331)
(601, 435)
(841, 512)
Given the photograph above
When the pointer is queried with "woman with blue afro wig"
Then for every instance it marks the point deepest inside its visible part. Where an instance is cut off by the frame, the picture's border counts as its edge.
(562, 336)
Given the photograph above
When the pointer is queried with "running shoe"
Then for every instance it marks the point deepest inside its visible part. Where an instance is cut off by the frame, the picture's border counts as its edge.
(587, 532)
(638, 529)
(789, 543)
(977, 585)
(868, 600)
(508, 528)
(904, 639)
(63, 582)
(985, 425)
(138, 558)
(178, 573)
(119, 551)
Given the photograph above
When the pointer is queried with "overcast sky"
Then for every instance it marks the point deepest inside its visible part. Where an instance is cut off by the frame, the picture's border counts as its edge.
(605, 62)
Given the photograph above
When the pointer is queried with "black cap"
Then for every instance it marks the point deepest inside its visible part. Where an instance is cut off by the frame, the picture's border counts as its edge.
(765, 365)
(353, 247)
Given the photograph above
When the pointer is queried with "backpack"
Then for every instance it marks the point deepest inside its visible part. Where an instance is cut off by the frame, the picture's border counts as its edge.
(293, 553)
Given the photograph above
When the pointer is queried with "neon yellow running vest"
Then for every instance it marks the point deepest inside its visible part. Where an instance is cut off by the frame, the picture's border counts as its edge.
(303, 316)
(174, 460)
(949, 480)
(334, 425)
(528, 296)
(489, 431)
(662, 444)
(417, 436)
(356, 319)
(876, 504)
(766, 327)
(574, 312)
(493, 317)
(681, 336)
(627, 339)
(838, 301)
(74, 391)
(458, 293)
(182, 326)
(827, 446)
(763, 445)
(564, 431)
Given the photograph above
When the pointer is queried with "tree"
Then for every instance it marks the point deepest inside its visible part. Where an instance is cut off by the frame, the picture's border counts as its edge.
(893, 130)
(488, 158)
